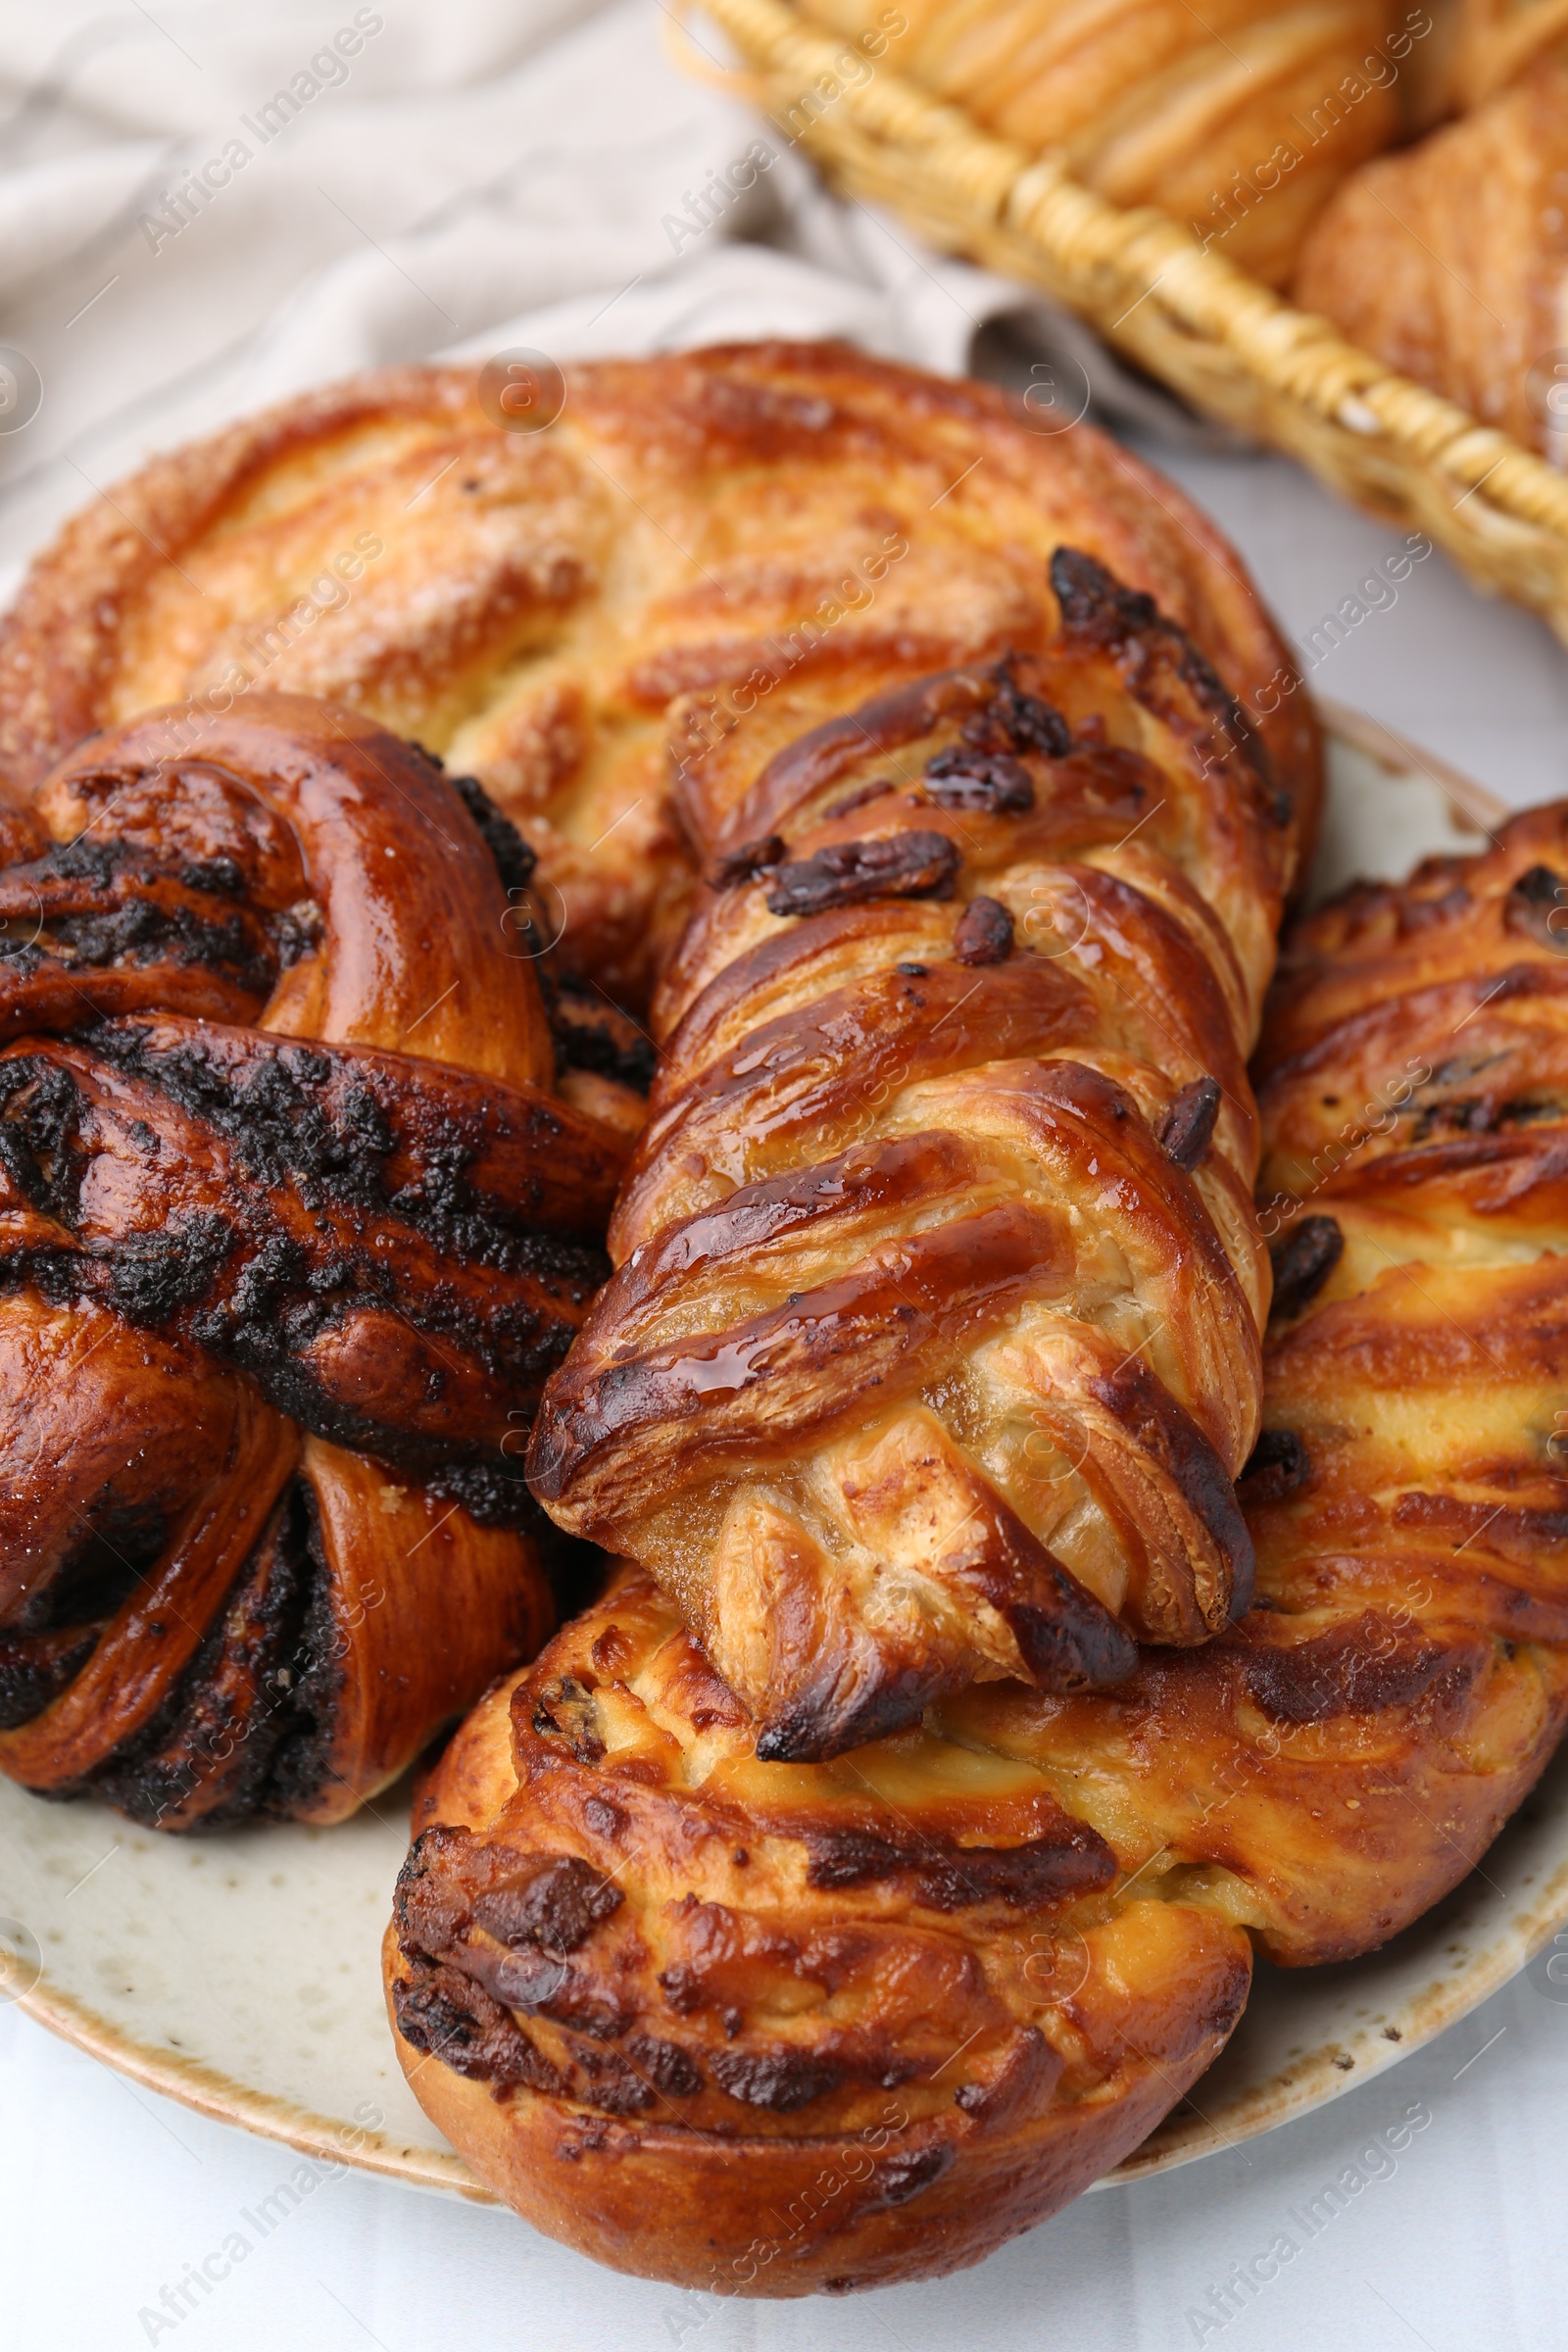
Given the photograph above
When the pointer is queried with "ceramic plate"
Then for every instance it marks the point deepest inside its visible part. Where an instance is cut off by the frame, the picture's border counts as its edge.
(241, 1973)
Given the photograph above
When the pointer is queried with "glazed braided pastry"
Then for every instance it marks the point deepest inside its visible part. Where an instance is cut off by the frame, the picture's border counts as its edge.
(770, 2027)
(290, 1233)
(933, 1348)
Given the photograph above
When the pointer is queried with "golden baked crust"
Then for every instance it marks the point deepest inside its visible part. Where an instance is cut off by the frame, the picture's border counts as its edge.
(1240, 118)
(771, 2028)
(787, 2026)
(736, 523)
(291, 1228)
(1449, 261)
(1497, 41)
(934, 1344)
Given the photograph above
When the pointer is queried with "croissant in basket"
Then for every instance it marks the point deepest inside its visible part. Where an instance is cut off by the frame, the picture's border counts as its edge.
(933, 1348)
(1449, 261)
(1241, 117)
(1495, 41)
(768, 2028)
(536, 606)
(291, 1231)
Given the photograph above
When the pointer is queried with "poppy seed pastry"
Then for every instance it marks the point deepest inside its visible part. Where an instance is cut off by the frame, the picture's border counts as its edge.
(751, 525)
(769, 2029)
(933, 1346)
(292, 1229)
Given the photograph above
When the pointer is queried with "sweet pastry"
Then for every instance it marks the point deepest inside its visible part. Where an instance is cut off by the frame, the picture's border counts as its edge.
(292, 1227)
(1495, 41)
(747, 525)
(932, 1346)
(770, 2027)
(1449, 261)
(1240, 118)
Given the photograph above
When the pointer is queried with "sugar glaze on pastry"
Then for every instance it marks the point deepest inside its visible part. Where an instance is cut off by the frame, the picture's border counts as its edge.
(771, 2029)
(932, 1346)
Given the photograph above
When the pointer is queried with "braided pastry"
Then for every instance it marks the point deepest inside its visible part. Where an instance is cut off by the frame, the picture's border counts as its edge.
(770, 2027)
(934, 1345)
(1241, 117)
(746, 524)
(291, 1232)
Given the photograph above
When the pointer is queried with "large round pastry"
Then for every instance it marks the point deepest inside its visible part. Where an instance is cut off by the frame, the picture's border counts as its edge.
(768, 2028)
(292, 1227)
(768, 528)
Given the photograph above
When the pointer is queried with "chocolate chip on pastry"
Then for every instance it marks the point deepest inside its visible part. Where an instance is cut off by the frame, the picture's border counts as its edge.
(984, 934)
(291, 1231)
(1304, 1258)
(738, 540)
(934, 1344)
(768, 2029)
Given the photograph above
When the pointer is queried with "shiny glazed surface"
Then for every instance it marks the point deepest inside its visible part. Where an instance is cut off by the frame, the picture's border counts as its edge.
(932, 1346)
(291, 1228)
(772, 2028)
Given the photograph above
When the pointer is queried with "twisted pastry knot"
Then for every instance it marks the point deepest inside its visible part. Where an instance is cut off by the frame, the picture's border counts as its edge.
(770, 2027)
(933, 1346)
(291, 1232)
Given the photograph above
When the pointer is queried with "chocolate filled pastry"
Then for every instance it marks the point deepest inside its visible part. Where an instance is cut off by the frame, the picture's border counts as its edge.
(772, 2028)
(292, 1229)
(758, 524)
(933, 1346)
(1449, 261)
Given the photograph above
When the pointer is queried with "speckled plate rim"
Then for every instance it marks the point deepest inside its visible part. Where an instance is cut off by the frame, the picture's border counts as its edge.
(210, 2092)
(1322, 2075)
(1320, 2078)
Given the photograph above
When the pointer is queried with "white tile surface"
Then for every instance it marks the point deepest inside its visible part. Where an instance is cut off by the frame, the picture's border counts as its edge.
(108, 2194)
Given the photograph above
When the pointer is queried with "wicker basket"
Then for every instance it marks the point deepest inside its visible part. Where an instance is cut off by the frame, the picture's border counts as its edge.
(1231, 347)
